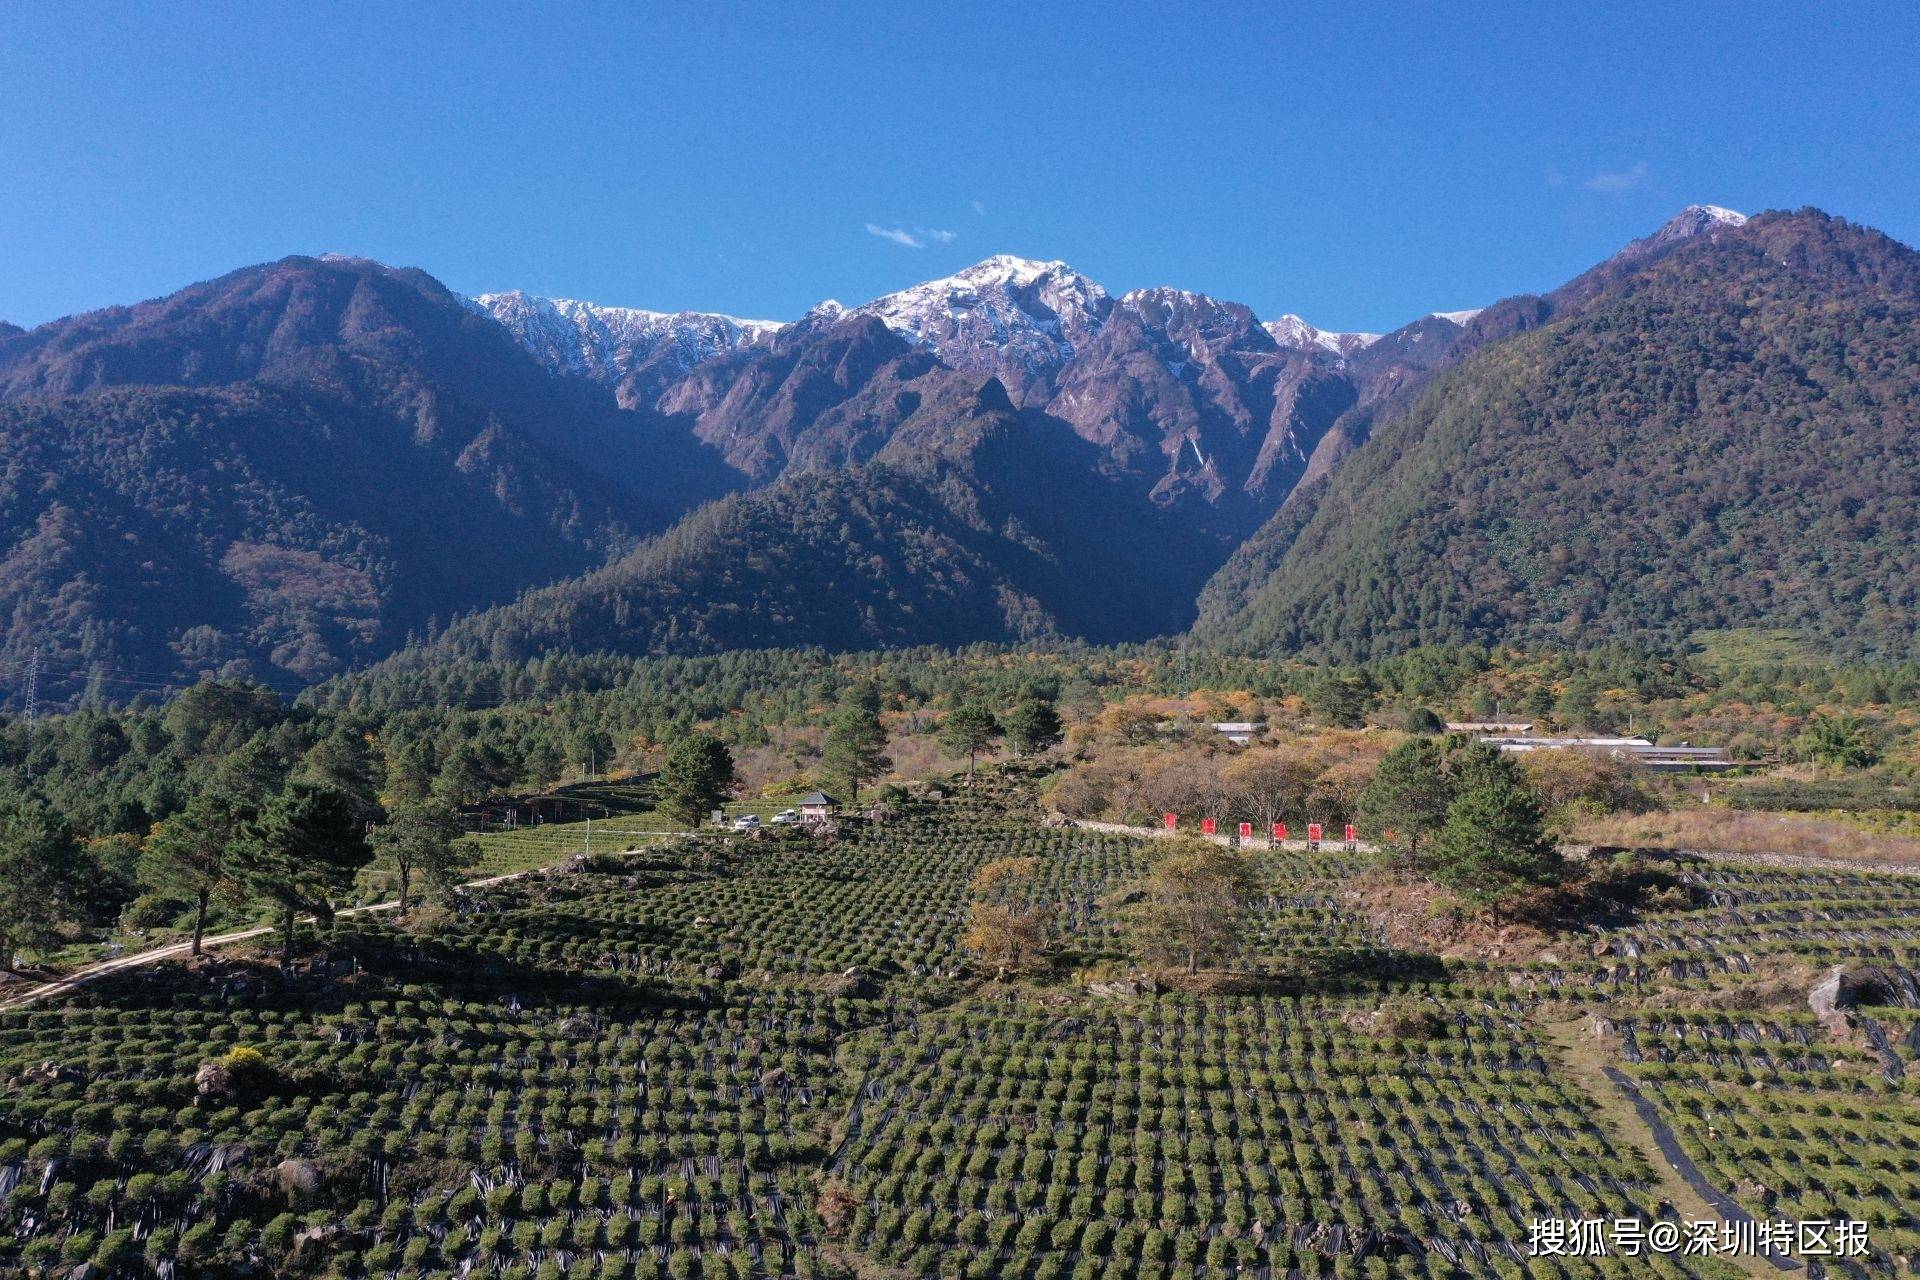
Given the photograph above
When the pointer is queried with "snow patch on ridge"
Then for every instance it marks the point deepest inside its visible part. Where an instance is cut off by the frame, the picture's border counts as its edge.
(1295, 334)
(1731, 217)
(604, 343)
(1005, 309)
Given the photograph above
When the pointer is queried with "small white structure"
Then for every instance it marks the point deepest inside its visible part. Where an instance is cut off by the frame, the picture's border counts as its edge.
(1240, 732)
(1683, 758)
(817, 807)
(1501, 728)
(1517, 743)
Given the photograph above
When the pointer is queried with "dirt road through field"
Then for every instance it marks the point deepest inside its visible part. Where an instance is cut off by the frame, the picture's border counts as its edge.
(1632, 1119)
(180, 950)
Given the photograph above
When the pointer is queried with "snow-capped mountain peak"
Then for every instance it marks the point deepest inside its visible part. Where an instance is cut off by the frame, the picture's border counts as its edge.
(1714, 213)
(1295, 334)
(1165, 304)
(1694, 220)
(605, 343)
(1457, 317)
(1006, 314)
(1006, 268)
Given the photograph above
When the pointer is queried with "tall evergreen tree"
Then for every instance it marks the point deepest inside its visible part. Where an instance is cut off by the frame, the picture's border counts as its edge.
(252, 772)
(970, 727)
(409, 771)
(696, 777)
(1494, 843)
(1405, 804)
(1335, 700)
(193, 852)
(855, 749)
(304, 848)
(345, 761)
(1032, 726)
(424, 837)
(465, 777)
(591, 750)
(40, 871)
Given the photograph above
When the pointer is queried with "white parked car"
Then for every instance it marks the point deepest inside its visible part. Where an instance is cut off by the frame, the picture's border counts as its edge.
(786, 816)
(747, 822)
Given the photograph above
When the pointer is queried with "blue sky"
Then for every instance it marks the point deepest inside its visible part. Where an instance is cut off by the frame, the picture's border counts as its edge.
(1358, 164)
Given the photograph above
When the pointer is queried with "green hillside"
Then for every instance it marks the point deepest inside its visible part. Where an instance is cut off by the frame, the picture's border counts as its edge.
(1722, 438)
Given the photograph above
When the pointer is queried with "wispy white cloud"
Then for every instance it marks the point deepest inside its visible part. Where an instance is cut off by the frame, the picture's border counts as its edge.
(979, 206)
(1619, 180)
(916, 238)
(899, 235)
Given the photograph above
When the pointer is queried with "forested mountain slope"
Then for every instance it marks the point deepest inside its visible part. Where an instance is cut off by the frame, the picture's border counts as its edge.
(282, 472)
(975, 521)
(302, 467)
(1718, 433)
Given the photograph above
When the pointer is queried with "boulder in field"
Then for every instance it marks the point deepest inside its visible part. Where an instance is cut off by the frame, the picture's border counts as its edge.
(299, 1180)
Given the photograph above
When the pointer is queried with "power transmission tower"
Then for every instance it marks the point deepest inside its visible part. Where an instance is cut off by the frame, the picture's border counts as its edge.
(33, 684)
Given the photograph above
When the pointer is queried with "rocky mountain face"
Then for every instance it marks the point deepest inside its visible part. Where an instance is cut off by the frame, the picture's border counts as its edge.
(1020, 320)
(827, 391)
(1295, 334)
(974, 522)
(615, 345)
(1190, 401)
(1193, 401)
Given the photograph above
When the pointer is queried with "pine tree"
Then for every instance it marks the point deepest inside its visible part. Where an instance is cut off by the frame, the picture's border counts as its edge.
(1032, 726)
(854, 751)
(424, 837)
(41, 866)
(192, 853)
(409, 771)
(971, 728)
(344, 760)
(466, 777)
(304, 847)
(1405, 805)
(1494, 843)
(696, 777)
(1337, 701)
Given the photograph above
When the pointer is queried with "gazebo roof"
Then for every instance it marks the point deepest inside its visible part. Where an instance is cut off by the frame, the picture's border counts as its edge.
(818, 798)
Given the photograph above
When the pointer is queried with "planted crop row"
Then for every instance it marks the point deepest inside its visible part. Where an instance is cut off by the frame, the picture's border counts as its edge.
(1220, 1137)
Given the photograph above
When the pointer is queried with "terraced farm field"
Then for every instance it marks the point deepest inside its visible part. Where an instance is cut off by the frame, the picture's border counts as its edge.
(712, 1058)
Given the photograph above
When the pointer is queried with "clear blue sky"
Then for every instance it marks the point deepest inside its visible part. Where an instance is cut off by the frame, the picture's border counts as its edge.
(1358, 164)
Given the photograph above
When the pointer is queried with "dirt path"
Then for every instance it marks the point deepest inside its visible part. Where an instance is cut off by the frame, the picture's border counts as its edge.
(179, 950)
(1630, 1118)
(175, 950)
